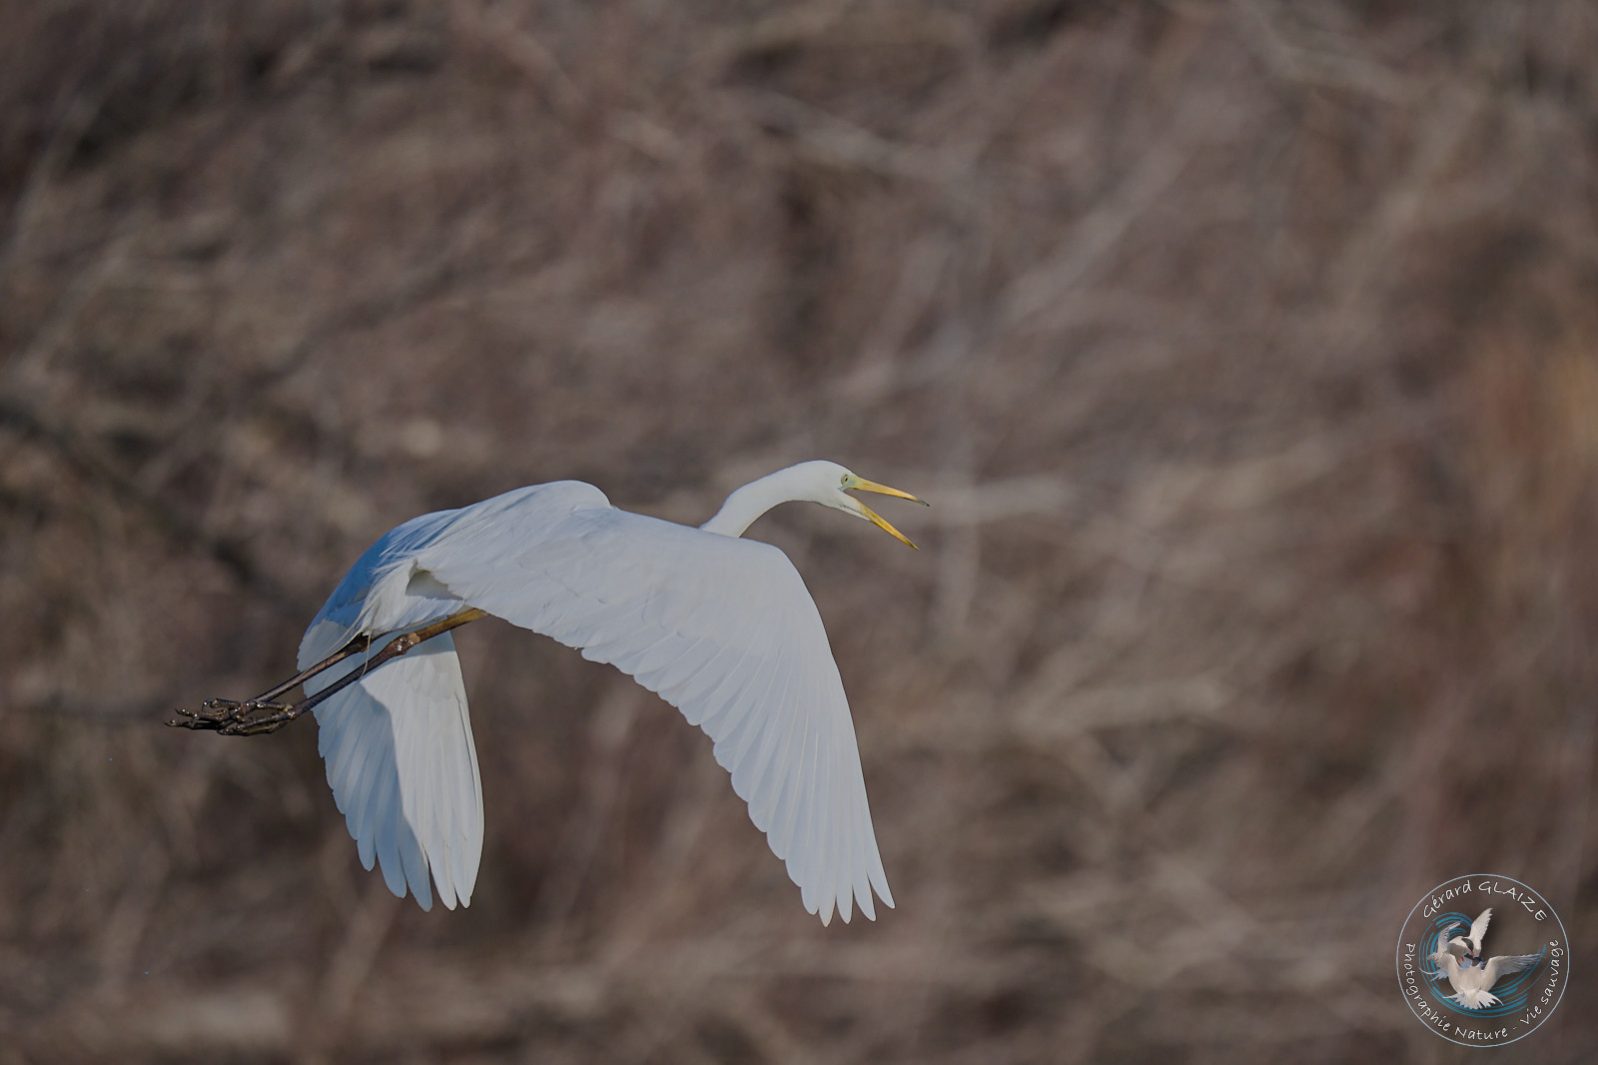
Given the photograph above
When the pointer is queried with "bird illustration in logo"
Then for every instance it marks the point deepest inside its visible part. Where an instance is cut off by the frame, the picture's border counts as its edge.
(1472, 978)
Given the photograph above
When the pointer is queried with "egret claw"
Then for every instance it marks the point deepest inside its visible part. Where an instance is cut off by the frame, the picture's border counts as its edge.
(233, 718)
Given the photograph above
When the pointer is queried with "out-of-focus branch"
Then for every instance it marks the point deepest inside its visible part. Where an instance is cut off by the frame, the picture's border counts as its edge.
(84, 457)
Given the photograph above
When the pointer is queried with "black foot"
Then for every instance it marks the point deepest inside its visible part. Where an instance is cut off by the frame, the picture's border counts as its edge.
(231, 718)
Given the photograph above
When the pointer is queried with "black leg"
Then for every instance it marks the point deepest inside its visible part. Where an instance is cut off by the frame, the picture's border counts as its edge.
(231, 718)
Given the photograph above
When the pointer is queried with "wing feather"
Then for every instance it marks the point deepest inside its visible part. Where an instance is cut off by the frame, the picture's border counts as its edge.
(1507, 964)
(1478, 929)
(402, 764)
(762, 765)
(723, 629)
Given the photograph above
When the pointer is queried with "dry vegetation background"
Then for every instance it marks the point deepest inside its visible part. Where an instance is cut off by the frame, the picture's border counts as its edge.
(1246, 349)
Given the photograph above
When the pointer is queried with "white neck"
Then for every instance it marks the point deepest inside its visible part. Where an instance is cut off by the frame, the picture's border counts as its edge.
(754, 499)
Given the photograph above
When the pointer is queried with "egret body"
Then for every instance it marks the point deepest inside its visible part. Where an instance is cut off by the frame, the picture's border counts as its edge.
(720, 627)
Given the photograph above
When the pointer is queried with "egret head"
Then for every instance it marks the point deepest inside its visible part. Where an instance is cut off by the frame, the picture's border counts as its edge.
(830, 485)
(821, 482)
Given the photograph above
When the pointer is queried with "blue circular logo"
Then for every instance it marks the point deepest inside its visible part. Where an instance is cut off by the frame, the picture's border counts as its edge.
(1483, 960)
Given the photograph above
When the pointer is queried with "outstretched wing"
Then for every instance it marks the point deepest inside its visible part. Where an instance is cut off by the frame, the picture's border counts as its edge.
(722, 628)
(400, 759)
(1506, 965)
(1478, 929)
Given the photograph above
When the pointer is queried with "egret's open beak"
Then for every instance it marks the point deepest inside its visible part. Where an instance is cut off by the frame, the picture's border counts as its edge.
(863, 485)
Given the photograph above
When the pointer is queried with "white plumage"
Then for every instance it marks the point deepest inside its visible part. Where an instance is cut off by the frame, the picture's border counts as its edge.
(1460, 946)
(1459, 961)
(722, 628)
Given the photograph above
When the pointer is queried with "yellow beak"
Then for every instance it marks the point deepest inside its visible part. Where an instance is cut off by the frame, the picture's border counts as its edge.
(863, 485)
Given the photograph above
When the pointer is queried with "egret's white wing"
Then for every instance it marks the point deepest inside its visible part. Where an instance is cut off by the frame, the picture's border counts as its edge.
(400, 759)
(722, 628)
(1506, 965)
(1478, 929)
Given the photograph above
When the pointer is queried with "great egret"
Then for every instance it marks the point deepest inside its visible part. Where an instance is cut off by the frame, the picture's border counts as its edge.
(722, 628)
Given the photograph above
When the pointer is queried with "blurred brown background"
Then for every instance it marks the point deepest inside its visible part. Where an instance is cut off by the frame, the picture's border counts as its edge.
(1245, 348)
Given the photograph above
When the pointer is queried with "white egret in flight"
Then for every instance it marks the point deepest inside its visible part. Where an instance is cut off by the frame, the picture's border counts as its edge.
(720, 627)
